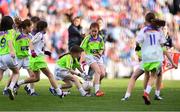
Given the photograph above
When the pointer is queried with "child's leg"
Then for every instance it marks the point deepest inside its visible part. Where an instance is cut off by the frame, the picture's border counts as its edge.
(32, 79)
(68, 84)
(14, 79)
(1, 74)
(31, 74)
(52, 80)
(146, 79)
(158, 84)
(77, 84)
(97, 76)
(103, 72)
(150, 82)
(132, 81)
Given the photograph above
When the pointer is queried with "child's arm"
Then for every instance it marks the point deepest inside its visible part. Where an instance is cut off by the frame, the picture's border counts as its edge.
(10, 45)
(170, 59)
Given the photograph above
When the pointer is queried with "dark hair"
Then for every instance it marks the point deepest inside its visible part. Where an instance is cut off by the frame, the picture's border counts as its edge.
(41, 25)
(151, 18)
(25, 23)
(76, 49)
(35, 19)
(6, 23)
(94, 25)
(77, 17)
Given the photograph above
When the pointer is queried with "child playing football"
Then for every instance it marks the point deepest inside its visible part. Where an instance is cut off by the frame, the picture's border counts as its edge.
(65, 70)
(138, 72)
(7, 53)
(151, 39)
(37, 61)
(93, 46)
(21, 45)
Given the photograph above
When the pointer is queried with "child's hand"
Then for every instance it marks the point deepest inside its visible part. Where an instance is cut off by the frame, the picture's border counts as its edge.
(12, 54)
(33, 54)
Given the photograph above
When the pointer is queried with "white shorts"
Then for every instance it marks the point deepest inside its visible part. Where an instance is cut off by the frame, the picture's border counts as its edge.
(23, 63)
(90, 59)
(60, 73)
(6, 61)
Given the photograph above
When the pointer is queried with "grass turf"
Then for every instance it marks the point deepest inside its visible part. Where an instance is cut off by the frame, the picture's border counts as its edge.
(114, 90)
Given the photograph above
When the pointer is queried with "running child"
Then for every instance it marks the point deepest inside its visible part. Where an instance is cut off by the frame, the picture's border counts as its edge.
(151, 40)
(93, 46)
(7, 53)
(37, 60)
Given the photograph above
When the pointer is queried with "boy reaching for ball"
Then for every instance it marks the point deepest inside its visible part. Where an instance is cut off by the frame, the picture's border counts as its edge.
(65, 70)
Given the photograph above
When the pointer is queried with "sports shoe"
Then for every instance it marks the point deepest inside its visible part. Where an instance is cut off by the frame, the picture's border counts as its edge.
(67, 93)
(157, 97)
(27, 90)
(61, 96)
(146, 99)
(11, 94)
(87, 95)
(125, 99)
(34, 94)
(52, 91)
(99, 93)
(5, 92)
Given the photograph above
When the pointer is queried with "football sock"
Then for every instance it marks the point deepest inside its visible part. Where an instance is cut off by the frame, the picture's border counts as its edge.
(20, 82)
(29, 86)
(58, 91)
(127, 95)
(11, 86)
(82, 91)
(32, 90)
(96, 86)
(157, 93)
(148, 89)
(5, 88)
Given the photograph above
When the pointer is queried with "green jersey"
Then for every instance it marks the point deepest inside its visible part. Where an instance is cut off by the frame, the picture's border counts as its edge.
(68, 62)
(21, 43)
(5, 37)
(91, 45)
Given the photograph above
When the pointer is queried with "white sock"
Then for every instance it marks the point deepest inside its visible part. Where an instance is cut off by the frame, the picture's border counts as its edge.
(58, 91)
(96, 86)
(148, 89)
(82, 91)
(157, 93)
(20, 82)
(127, 95)
(32, 90)
(29, 86)
(11, 86)
(5, 88)
(52, 87)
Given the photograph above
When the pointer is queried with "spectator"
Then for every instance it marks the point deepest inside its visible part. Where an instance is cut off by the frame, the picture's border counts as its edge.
(75, 32)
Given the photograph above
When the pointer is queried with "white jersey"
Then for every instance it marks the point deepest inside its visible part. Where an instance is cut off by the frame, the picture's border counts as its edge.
(38, 42)
(150, 41)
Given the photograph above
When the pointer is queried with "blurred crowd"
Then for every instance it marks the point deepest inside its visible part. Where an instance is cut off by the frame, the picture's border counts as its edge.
(121, 20)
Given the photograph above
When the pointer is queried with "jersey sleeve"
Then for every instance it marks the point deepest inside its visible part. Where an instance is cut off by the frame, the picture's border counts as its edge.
(102, 44)
(68, 62)
(37, 38)
(84, 43)
(140, 36)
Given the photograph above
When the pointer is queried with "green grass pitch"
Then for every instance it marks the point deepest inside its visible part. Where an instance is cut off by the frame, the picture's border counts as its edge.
(114, 90)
